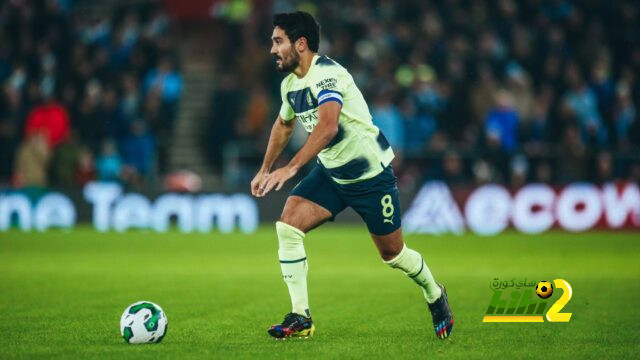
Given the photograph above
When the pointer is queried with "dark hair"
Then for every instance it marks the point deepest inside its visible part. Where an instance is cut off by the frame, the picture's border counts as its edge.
(299, 24)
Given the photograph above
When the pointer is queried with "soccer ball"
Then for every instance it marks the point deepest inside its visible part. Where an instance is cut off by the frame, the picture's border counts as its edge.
(544, 289)
(143, 322)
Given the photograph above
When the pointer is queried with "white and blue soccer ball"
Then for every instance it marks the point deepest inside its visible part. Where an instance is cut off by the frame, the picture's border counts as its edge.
(143, 322)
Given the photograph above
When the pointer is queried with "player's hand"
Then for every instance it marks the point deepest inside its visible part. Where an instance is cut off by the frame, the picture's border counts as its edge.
(277, 178)
(258, 182)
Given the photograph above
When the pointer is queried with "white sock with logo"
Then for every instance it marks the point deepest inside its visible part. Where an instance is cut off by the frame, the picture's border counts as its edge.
(412, 264)
(293, 262)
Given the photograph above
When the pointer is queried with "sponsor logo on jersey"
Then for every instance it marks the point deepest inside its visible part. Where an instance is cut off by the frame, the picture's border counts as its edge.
(330, 83)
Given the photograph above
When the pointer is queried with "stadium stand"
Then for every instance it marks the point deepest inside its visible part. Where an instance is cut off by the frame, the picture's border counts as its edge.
(100, 106)
(466, 91)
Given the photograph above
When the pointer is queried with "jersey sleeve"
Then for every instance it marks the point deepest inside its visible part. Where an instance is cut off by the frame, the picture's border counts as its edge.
(330, 85)
(286, 111)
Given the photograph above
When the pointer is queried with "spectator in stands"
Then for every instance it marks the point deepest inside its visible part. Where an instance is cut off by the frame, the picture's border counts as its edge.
(137, 150)
(453, 168)
(51, 119)
(602, 84)
(32, 160)
(536, 130)
(501, 124)
(109, 163)
(160, 125)
(226, 111)
(419, 126)
(125, 39)
(421, 109)
(110, 115)
(95, 31)
(543, 172)
(573, 156)
(12, 113)
(167, 81)
(130, 102)
(88, 120)
(519, 86)
(388, 118)
(581, 103)
(483, 93)
(86, 170)
(258, 111)
(483, 172)
(64, 162)
(519, 167)
(604, 167)
(157, 25)
(624, 115)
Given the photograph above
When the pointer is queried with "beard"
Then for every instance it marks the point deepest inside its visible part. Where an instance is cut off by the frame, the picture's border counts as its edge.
(289, 64)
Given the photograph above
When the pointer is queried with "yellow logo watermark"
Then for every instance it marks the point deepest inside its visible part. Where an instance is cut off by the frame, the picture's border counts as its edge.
(521, 305)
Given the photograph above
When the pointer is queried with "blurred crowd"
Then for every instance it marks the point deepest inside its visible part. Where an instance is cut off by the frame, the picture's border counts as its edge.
(83, 96)
(466, 91)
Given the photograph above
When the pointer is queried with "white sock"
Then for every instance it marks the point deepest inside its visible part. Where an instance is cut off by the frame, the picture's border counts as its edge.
(293, 262)
(412, 264)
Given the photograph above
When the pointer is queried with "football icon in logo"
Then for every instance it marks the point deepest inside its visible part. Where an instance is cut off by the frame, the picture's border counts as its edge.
(544, 289)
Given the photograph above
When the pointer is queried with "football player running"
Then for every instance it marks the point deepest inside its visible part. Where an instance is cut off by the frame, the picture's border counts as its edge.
(353, 169)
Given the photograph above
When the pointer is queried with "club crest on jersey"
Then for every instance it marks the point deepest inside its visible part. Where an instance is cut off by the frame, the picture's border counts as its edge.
(302, 100)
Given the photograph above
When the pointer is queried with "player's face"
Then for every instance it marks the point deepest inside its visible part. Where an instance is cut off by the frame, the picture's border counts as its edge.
(284, 52)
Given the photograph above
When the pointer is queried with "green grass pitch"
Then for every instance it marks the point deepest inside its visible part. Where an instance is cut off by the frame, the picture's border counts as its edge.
(62, 294)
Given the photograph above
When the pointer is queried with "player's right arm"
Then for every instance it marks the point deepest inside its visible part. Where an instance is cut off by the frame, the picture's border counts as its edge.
(280, 134)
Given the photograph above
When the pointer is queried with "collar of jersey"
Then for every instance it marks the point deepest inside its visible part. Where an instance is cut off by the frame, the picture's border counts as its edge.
(313, 63)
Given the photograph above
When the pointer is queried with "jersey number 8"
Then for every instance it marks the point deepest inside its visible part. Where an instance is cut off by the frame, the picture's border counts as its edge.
(387, 206)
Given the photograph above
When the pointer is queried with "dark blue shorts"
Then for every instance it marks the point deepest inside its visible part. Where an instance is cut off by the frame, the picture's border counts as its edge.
(375, 200)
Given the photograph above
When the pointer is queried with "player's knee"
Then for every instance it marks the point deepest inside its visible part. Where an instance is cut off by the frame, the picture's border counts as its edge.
(390, 251)
(287, 219)
(290, 215)
(291, 219)
(389, 254)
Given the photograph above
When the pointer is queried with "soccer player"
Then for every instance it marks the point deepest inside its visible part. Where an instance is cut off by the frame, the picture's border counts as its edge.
(353, 169)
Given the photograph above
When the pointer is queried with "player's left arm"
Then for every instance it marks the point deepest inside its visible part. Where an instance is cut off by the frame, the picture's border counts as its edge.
(321, 136)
